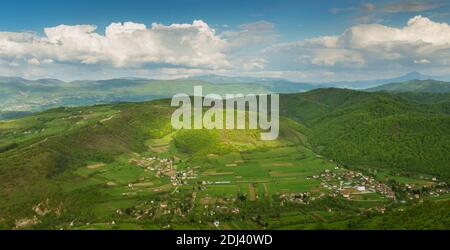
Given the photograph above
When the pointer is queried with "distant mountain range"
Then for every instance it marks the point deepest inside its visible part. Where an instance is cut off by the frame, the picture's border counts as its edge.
(282, 84)
(423, 86)
(21, 96)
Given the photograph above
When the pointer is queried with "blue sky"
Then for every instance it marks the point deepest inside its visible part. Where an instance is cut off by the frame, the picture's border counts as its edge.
(250, 33)
(294, 18)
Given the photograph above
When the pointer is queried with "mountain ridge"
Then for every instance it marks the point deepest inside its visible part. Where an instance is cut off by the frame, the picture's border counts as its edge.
(19, 95)
(423, 86)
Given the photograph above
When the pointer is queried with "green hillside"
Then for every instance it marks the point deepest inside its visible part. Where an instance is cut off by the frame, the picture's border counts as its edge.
(434, 215)
(122, 166)
(54, 156)
(424, 86)
(374, 129)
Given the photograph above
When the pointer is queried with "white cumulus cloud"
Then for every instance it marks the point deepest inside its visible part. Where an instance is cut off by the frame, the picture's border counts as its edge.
(123, 45)
(133, 49)
(370, 46)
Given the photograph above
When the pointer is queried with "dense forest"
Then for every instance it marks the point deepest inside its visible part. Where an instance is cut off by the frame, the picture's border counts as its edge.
(374, 129)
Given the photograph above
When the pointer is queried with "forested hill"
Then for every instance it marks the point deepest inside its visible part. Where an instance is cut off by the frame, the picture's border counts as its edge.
(376, 130)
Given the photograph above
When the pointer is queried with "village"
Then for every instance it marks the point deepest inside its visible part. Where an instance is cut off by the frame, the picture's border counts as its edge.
(340, 183)
(181, 205)
(415, 192)
(349, 184)
(165, 167)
